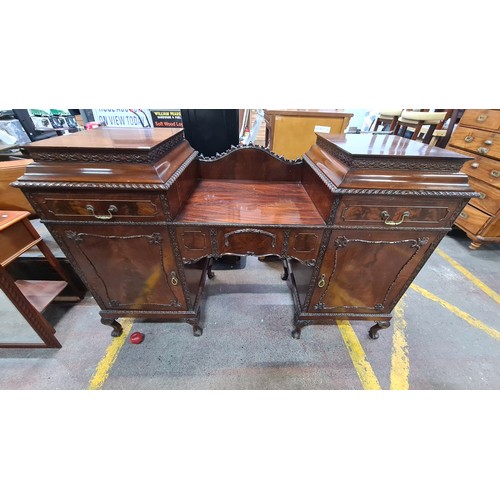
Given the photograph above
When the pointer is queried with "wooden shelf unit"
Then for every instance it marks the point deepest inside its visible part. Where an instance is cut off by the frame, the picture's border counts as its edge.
(30, 297)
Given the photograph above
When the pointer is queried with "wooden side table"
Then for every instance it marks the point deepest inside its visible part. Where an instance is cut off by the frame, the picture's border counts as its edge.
(30, 297)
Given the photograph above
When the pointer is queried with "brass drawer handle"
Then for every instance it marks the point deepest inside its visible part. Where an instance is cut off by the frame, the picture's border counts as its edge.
(474, 165)
(463, 215)
(495, 173)
(482, 118)
(482, 196)
(482, 151)
(469, 138)
(173, 278)
(321, 282)
(111, 210)
(385, 215)
(488, 142)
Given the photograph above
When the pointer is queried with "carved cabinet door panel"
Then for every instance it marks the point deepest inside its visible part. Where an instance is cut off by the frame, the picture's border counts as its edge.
(129, 268)
(368, 271)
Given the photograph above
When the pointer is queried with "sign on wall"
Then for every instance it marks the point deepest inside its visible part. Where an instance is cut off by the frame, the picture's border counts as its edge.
(167, 118)
(139, 118)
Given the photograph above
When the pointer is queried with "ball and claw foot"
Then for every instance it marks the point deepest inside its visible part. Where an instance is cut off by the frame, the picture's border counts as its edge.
(380, 325)
(296, 333)
(117, 328)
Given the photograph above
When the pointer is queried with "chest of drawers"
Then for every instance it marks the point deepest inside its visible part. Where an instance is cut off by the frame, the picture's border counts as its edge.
(141, 215)
(478, 136)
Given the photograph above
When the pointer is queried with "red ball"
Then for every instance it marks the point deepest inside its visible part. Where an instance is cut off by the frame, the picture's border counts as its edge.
(137, 338)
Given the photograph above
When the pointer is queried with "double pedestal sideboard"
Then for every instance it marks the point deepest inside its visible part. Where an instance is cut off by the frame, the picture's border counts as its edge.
(141, 215)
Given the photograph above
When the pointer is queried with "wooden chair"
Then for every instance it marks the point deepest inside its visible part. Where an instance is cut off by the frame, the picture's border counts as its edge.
(415, 120)
(387, 117)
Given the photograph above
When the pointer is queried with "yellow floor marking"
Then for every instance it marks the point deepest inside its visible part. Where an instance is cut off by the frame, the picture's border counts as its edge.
(102, 371)
(486, 289)
(400, 364)
(455, 310)
(363, 368)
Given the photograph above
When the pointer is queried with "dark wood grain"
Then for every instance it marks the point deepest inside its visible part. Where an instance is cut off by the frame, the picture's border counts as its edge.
(104, 138)
(251, 164)
(250, 202)
(337, 215)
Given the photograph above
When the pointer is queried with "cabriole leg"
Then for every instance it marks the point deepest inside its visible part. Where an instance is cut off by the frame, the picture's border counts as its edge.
(380, 325)
(284, 276)
(298, 328)
(117, 328)
(197, 329)
(210, 274)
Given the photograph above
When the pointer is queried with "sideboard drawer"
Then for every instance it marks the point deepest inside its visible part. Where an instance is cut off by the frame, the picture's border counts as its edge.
(471, 219)
(483, 118)
(93, 207)
(481, 142)
(489, 200)
(387, 213)
(250, 241)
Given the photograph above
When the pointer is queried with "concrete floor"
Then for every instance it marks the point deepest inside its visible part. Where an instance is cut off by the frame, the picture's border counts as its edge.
(246, 344)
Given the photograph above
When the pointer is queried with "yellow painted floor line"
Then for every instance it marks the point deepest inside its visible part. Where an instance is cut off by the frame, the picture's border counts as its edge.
(400, 363)
(455, 310)
(363, 368)
(102, 371)
(485, 288)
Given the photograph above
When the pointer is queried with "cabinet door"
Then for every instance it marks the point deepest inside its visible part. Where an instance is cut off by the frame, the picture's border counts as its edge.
(129, 268)
(368, 271)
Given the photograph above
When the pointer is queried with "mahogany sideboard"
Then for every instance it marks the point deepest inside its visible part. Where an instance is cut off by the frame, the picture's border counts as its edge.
(141, 215)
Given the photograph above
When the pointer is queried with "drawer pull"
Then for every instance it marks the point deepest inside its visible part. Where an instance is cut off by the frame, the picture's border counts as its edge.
(482, 196)
(173, 278)
(469, 138)
(463, 215)
(475, 165)
(488, 142)
(482, 118)
(482, 151)
(385, 215)
(495, 173)
(321, 282)
(111, 210)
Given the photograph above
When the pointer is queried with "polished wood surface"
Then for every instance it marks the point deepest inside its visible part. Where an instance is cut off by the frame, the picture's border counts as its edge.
(478, 135)
(250, 202)
(395, 254)
(108, 138)
(353, 220)
(291, 132)
(377, 147)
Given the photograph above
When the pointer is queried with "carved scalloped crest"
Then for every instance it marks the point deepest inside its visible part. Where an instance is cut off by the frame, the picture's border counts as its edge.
(239, 147)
